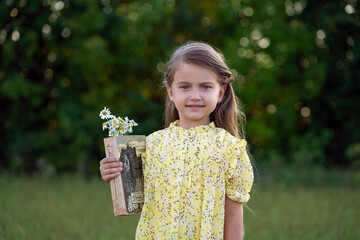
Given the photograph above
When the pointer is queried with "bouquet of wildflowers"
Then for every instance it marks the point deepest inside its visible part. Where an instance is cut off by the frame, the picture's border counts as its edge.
(116, 125)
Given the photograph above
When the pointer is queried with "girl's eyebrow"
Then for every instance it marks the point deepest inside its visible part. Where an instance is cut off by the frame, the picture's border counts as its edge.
(208, 83)
(202, 83)
(182, 82)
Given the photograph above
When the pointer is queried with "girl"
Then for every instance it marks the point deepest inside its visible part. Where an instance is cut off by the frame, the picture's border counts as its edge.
(197, 172)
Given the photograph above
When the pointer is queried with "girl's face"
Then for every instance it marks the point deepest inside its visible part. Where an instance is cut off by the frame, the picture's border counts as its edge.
(195, 91)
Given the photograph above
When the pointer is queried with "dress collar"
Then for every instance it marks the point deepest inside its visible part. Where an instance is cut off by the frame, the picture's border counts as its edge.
(201, 128)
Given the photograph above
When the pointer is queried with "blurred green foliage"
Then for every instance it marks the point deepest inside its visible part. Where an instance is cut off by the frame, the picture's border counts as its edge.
(296, 64)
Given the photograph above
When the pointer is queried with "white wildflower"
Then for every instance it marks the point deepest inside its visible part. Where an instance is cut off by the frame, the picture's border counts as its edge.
(105, 113)
(116, 125)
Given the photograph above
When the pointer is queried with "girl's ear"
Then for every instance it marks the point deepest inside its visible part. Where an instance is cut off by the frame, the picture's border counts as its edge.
(170, 94)
(222, 93)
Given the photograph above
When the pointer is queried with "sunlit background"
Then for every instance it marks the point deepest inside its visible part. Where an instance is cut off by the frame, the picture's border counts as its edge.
(297, 73)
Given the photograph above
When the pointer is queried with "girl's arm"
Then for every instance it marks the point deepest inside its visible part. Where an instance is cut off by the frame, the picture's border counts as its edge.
(233, 229)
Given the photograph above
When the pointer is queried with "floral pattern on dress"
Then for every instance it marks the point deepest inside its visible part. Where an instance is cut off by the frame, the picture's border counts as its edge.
(187, 173)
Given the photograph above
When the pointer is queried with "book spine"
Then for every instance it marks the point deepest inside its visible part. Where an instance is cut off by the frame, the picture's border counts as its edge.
(117, 191)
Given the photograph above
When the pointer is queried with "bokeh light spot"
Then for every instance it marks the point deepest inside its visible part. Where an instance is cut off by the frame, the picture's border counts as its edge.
(205, 21)
(161, 67)
(264, 43)
(22, 3)
(170, 3)
(51, 57)
(248, 11)
(58, 6)
(305, 112)
(15, 36)
(14, 12)
(320, 34)
(349, 9)
(320, 43)
(105, 2)
(304, 63)
(241, 52)
(350, 41)
(234, 73)
(256, 35)
(49, 73)
(46, 29)
(133, 16)
(270, 10)
(9, 2)
(349, 55)
(271, 108)
(299, 7)
(244, 41)
(66, 32)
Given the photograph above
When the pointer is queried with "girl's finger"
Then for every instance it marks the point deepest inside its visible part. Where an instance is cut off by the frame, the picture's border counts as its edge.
(112, 170)
(110, 165)
(106, 172)
(108, 160)
(113, 165)
(107, 178)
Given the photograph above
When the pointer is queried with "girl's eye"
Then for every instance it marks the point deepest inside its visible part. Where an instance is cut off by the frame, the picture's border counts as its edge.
(184, 87)
(206, 87)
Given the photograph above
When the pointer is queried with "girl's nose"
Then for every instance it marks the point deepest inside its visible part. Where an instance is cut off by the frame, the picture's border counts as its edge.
(195, 94)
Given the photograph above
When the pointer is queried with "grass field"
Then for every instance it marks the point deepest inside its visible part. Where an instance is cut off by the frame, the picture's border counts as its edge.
(71, 207)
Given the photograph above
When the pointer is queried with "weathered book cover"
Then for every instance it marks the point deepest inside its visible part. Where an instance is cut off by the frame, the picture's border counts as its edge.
(127, 190)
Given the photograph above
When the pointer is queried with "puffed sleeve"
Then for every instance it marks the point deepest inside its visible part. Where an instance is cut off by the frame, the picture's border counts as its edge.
(239, 176)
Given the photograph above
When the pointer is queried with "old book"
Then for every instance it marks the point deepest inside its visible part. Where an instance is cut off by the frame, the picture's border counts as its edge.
(127, 190)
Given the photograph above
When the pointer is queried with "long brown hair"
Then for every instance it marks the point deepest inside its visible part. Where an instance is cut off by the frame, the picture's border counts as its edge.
(227, 114)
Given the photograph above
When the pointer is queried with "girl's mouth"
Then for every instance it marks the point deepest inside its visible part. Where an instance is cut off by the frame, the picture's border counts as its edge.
(194, 107)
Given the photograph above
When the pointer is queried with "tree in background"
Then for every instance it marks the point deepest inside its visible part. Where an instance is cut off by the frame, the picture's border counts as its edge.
(296, 64)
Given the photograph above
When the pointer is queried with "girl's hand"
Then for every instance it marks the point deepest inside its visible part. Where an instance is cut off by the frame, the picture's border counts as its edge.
(110, 168)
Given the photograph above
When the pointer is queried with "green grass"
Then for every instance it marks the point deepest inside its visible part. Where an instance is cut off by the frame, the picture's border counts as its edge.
(298, 212)
(62, 208)
(75, 208)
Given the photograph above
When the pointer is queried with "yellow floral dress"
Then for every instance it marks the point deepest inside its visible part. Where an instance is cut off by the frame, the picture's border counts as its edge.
(187, 174)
